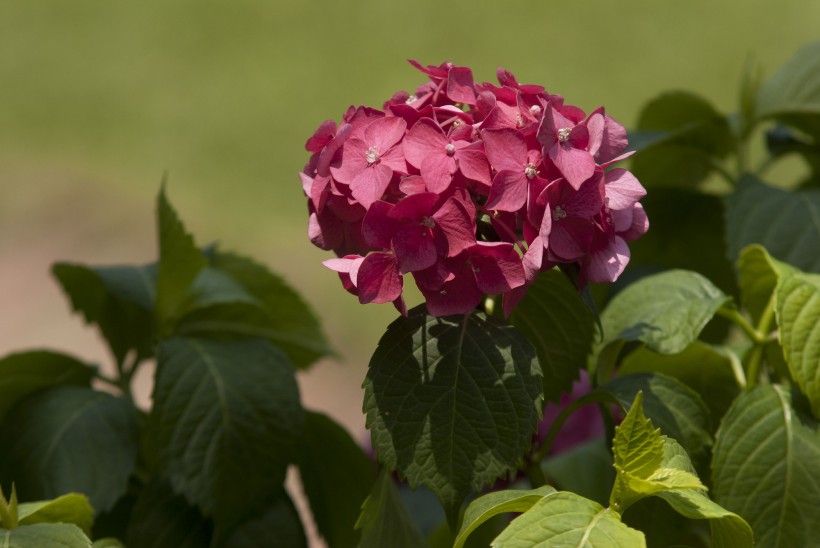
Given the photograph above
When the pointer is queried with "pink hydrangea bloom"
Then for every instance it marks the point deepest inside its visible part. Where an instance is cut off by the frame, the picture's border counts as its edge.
(472, 189)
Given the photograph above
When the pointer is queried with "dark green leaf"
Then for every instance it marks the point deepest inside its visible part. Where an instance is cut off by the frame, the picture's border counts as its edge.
(792, 94)
(225, 420)
(765, 467)
(672, 406)
(162, 519)
(45, 535)
(785, 223)
(384, 520)
(70, 439)
(498, 502)
(567, 519)
(282, 315)
(179, 263)
(337, 477)
(585, 469)
(452, 402)
(695, 135)
(119, 300)
(25, 373)
(277, 524)
(71, 508)
(561, 328)
(108, 542)
(714, 373)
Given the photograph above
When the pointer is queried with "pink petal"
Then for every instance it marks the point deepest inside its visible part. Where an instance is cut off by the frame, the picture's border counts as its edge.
(614, 140)
(457, 296)
(423, 140)
(321, 136)
(607, 264)
(379, 280)
(509, 191)
(378, 227)
(437, 171)
(640, 224)
(622, 189)
(385, 132)
(457, 226)
(564, 245)
(595, 125)
(533, 259)
(511, 299)
(587, 201)
(353, 161)
(460, 85)
(348, 269)
(575, 165)
(497, 267)
(506, 148)
(370, 183)
(473, 164)
(394, 159)
(579, 137)
(414, 248)
(414, 184)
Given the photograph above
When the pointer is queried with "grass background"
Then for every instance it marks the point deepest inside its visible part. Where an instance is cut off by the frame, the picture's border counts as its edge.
(98, 99)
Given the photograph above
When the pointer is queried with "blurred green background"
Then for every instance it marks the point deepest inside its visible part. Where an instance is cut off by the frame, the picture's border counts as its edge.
(98, 99)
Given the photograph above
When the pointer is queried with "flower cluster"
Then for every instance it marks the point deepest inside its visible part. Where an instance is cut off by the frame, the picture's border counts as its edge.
(473, 189)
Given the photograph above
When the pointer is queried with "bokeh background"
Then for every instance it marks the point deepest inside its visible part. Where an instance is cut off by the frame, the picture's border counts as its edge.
(98, 99)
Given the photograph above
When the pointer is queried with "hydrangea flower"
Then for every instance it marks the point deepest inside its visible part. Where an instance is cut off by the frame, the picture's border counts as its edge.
(471, 189)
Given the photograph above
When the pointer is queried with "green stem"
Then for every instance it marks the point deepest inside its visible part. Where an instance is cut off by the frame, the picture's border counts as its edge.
(535, 474)
(739, 320)
(756, 355)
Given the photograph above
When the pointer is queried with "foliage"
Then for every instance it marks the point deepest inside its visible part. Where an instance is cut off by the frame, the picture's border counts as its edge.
(703, 364)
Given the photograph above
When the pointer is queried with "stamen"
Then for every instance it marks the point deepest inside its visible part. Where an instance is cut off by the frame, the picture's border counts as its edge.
(530, 171)
(559, 213)
(410, 99)
(563, 134)
(372, 155)
(450, 149)
(429, 222)
(535, 110)
(519, 120)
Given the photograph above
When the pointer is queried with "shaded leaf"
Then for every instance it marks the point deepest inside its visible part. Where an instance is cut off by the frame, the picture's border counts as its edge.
(226, 418)
(162, 519)
(585, 470)
(337, 477)
(71, 508)
(45, 535)
(26, 373)
(384, 521)
(276, 524)
(555, 320)
(565, 518)
(728, 529)
(108, 542)
(499, 502)
(765, 467)
(452, 402)
(69, 439)
(785, 223)
(179, 263)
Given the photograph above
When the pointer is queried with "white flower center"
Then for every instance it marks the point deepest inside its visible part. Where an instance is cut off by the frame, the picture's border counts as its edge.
(563, 134)
(530, 171)
(519, 120)
(535, 110)
(372, 155)
(559, 213)
(450, 149)
(410, 99)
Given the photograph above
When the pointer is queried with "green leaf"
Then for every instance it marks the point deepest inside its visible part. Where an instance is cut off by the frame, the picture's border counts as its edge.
(225, 420)
(277, 524)
(757, 277)
(555, 320)
(585, 469)
(765, 467)
(672, 406)
(71, 508)
(45, 535)
(452, 402)
(384, 521)
(70, 439)
(26, 373)
(792, 94)
(665, 311)
(108, 542)
(179, 263)
(499, 502)
(8, 508)
(694, 136)
(337, 477)
(566, 519)
(710, 371)
(119, 300)
(728, 529)
(276, 312)
(785, 223)
(162, 519)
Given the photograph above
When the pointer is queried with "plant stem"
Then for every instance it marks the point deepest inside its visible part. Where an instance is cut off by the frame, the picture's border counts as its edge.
(739, 320)
(756, 354)
(535, 474)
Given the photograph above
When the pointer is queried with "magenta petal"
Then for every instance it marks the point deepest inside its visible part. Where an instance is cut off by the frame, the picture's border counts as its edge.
(533, 259)
(378, 227)
(509, 191)
(640, 224)
(614, 141)
(622, 189)
(497, 267)
(414, 248)
(606, 265)
(460, 85)
(457, 296)
(369, 185)
(383, 133)
(321, 136)
(423, 140)
(587, 201)
(595, 126)
(434, 277)
(353, 161)
(563, 245)
(414, 184)
(579, 137)
(379, 280)
(474, 165)
(506, 148)
(575, 165)
(437, 171)
(457, 226)
(414, 208)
